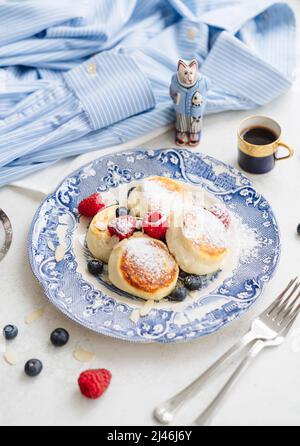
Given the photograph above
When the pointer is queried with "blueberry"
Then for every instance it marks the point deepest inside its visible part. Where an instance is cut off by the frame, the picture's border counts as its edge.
(121, 211)
(59, 337)
(193, 283)
(129, 192)
(33, 367)
(10, 332)
(298, 229)
(179, 294)
(95, 267)
(183, 274)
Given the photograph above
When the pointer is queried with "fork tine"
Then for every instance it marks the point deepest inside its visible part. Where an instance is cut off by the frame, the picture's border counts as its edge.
(291, 311)
(291, 320)
(283, 302)
(277, 301)
(288, 303)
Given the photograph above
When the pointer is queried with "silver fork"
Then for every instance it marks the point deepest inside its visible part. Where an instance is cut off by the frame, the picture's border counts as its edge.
(205, 418)
(264, 328)
(8, 234)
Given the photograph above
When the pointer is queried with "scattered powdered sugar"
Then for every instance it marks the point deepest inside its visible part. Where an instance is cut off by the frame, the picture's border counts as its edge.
(245, 239)
(157, 196)
(169, 197)
(201, 225)
(123, 225)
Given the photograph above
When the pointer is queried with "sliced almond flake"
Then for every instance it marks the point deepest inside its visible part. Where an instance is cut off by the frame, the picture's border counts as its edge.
(135, 315)
(2, 344)
(147, 307)
(101, 226)
(83, 355)
(10, 356)
(34, 315)
(51, 245)
(60, 252)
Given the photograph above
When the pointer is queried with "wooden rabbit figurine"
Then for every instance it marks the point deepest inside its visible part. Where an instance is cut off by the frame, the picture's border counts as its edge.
(188, 91)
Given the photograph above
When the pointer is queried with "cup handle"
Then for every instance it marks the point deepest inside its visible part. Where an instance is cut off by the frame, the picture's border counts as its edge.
(290, 150)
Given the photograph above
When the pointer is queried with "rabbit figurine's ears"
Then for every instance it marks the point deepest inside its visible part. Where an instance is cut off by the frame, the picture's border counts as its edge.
(184, 64)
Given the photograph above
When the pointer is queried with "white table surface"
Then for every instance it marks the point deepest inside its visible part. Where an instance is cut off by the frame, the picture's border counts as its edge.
(143, 375)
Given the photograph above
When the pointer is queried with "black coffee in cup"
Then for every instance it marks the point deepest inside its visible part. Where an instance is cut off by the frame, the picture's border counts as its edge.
(258, 144)
(259, 136)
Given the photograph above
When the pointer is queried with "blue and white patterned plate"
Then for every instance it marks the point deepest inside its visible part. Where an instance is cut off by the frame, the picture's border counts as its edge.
(57, 231)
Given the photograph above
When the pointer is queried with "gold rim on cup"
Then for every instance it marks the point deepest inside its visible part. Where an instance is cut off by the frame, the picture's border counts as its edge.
(263, 150)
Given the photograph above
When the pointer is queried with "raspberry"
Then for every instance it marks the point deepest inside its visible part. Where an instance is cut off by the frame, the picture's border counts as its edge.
(221, 214)
(90, 206)
(123, 226)
(155, 224)
(93, 383)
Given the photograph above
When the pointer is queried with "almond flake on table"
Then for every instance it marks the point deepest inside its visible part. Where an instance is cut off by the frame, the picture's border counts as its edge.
(83, 355)
(34, 315)
(2, 344)
(10, 356)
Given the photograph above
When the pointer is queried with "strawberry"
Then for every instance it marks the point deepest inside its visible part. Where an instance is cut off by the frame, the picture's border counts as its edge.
(155, 224)
(90, 206)
(123, 226)
(93, 383)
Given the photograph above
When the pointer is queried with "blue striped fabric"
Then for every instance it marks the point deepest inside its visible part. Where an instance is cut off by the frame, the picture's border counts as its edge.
(104, 103)
(84, 75)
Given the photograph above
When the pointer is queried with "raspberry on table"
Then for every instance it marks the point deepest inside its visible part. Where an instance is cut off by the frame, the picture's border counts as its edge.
(93, 383)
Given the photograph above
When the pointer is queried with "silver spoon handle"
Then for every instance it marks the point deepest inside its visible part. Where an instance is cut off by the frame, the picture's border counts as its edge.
(166, 411)
(206, 416)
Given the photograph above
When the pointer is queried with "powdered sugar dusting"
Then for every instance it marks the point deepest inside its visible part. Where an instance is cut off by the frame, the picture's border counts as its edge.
(201, 226)
(123, 226)
(170, 196)
(157, 196)
(245, 239)
(150, 258)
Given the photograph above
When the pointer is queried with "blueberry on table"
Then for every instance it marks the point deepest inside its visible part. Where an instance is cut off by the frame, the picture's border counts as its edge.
(59, 337)
(179, 294)
(95, 267)
(10, 332)
(298, 229)
(33, 367)
(193, 283)
(121, 211)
